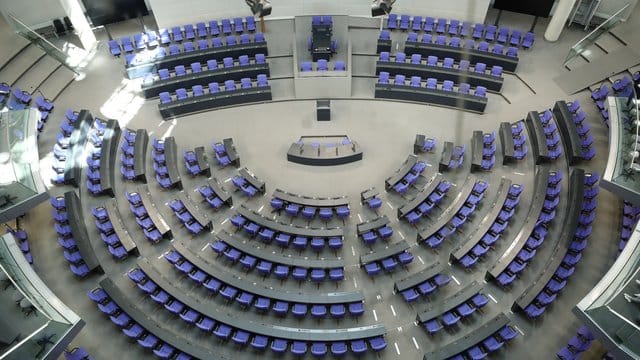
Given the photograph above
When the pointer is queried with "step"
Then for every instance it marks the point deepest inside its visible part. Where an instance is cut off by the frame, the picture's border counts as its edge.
(576, 62)
(57, 82)
(608, 42)
(20, 64)
(593, 52)
(32, 79)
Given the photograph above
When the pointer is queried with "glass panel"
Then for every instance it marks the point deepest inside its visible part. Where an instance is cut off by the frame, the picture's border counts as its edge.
(35, 38)
(32, 318)
(591, 38)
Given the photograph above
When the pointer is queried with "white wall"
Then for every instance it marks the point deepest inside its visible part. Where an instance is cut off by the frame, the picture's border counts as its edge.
(172, 12)
(33, 12)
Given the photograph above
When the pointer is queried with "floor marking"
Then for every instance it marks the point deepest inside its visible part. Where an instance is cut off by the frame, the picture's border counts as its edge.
(261, 207)
(401, 235)
(378, 297)
(224, 221)
(494, 300)
(397, 348)
(390, 205)
(160, 123)
(204, 247)
(393, 311)
(353, 251)
(360, 217)
(420, 259)
(454, 279)
(229, 179)
(415, 342)
(518, 173)
(162, 255)
(518, 329)
(355, 283)
(429, 165)
(375, 316)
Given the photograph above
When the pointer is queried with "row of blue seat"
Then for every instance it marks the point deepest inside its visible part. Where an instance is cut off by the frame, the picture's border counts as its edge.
(262, 304)
(432, 83)
(455, 28)
(128, 155)
(242, 184)
(573, 254)
(214, 88)
(425, 288)
(22, 239)
(584, 130)
(309, 212)
(539, 233)
(160, 164)
(142, 217)
(322, 65)
(221, 154)
(410, 177)
(489, 345)
(388, 264)
(284, 239)
(65, 238)
(460, 217)
(107, 233)
(447, 63)
(132, 329)
(62, 144)
(151, 39)
(212, 64)
(457, 155)
(630, 217)
(552, 135)
(370, 237)
(185, 217)
(432, 200)
(173, 49)
(214, 200)
(488, 151)
(452, 317)
(519, 140)
(93, 172)
(499, 224)
(281, 271)
(577, 345)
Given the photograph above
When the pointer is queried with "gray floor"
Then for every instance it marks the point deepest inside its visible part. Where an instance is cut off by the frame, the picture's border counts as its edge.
(385, 130)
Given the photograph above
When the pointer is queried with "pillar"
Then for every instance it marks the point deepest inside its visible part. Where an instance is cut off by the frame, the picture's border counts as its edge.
(75, 13)
(559, 19)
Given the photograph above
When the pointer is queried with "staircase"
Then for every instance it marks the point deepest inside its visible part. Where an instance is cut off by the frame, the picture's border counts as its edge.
(583, 13)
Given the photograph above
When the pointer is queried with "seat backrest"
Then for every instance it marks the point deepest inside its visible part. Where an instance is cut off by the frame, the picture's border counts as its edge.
(231, 40)
(216, 42)
(165, 97)
(245, 39)
(197, 90)
(163, 74)
(212, 64)
(181, 93)
(260, 59)
(463, 88)
(416, 59)
(323, 65)
(412, 37)
(262, 80)
(427, 38)
(401, 57)
(214, 87)
(448, 62)
(180, 70)
(203, 44)
(481, 67)
(243, 59)
(385, 35)
(306, 66)
(415, 81)
(447, 85)
(339, 66)
(441, 39)
(245, 83)
(464, 65)
(384, 56)
(481, 91)
(229, 85)
(496, 70)
(432, 83)
(399, 80)
(383, 78)
(196, 67)
(227, 62)
(432, 60)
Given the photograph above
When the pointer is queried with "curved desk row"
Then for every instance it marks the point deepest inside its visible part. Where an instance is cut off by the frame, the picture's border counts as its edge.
(79, 230)
(508, 63)
(419, 277)
(507, 144)
(421, 197)
(139, 316)
(450, 303)
(571, 222)
(481, 229)
(140, 154)
(211, 101)
(318, 202)
(75, 151)
(171, 156)
(118, 226)
(108, 157)
(391, 250)
(260, 290)
(539, 194)
(288, 229)
(372, 224)
(407, 165)
(449, 212)
(568, 132)
(152, 211)
(220, 74)
(477, 144)
(487, 329)
(194, 210)
(308, 154)
(278, 258)
(432, 96)
(493, 83)
(537, 138)
(212, 311)
(152, 65)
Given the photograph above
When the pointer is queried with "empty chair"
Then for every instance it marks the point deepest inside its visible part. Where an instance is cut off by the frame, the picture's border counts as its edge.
(196, 68)
(516, 37)
(503, 34)
(441, 26)
(392, 22)
(416, 59)
(245, 39)
(399, 80)
(238, 25)
(447, 85)
(401, 57)
(245, 83)
(431, 83)
(339, 66)
(114, 48)
(203, 44)
(478, 31)
(174, 49)
(250, 23)
(427, 38)
(428, 24)
(441, 40)
(528, 40)
(490, 33)
(197, 90)
(180, 70)
(404, 22)
(181, 94)
(415, 81)
(412, 37)
(243, 60)
(464, 65)
(432, 60)
(261, 80)
(447, 63)
(483, 46)
(258, 38)
(230, 40)
(384, 77)
(229, 85)
(214, 87)
(188, 47)
(480, 91)
(464, 88)
(481, 68)
(385, 35)
(307, 66)
(496, 70)
(512, 52)
(165, 97)
(455, 42)
(498, 49)
(323, 65)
